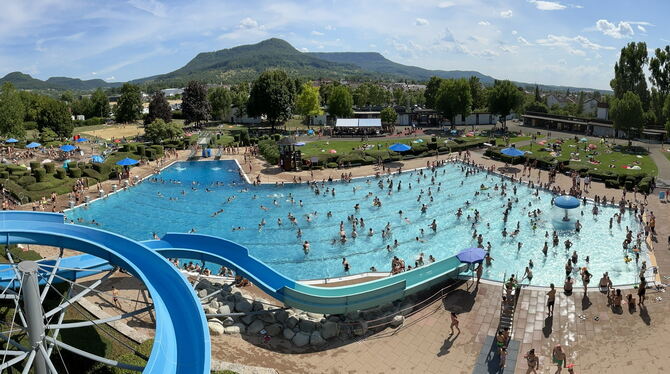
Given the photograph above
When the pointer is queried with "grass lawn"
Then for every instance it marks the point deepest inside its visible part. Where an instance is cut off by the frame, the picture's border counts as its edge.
(345, 146)
(606, 156)
(500, 142)
(108, 132)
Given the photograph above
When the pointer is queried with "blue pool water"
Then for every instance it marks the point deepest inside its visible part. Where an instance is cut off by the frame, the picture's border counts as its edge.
(178, 207)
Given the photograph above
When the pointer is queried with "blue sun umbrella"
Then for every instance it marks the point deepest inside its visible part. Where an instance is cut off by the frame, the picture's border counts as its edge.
(127, 162)
(67, 148)
(512, 152)
(299, 144)
(81, 140)
(97, 159)
(33, 145)
(11, 140)
(567, 202)
(310, 132)
(471, 255)
(399, 147)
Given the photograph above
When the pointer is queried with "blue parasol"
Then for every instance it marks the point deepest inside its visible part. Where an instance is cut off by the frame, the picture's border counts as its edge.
(97, 159)
(299, 144)
(11, 140)
(127, 162)
(471, 255)
(67, 148)
(512, 152)
(33, 145)
(398, 147)
(81, 140)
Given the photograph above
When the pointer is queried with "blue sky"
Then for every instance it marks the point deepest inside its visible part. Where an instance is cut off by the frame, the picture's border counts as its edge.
(553, 42)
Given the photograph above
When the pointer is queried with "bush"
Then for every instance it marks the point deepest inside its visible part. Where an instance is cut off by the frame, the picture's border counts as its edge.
(30, 125)
(276, 137)
(74, 172)
(34, 165)
(612, 183)
(269, 150)
(91, 173)
(60, 173)
(16, 169)
(26, 180)
(150, 153)
(332, 165)
(40, 174)
(140, 149)
(4, 174)
(160, 150)
(50, 167)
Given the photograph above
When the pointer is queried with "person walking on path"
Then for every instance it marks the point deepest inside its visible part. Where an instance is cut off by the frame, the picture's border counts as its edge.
(454, 323)
(551, 298)
(558, 358)
(533, 362)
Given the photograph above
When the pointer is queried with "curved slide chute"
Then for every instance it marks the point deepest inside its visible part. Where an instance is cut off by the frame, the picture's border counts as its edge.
(330, 300)
(181, 342)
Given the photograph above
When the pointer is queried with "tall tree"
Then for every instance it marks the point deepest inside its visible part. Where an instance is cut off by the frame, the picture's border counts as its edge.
(629, 73)
(307, 103)
(54, 114)
(659, 66)
(221, 100)
(579, 109)
(272, 95)
(129, 107)
(240, 97)
(454, 98)
(400, 97)
(12, 112)
(388, 116)
(194, 104)
(538, 97)
(432, 88)
(627, 114)
(158, 108)
(100, 103)
(340, 102)
(477, 92)
(666, 114)
(159, 131)
(504, 97)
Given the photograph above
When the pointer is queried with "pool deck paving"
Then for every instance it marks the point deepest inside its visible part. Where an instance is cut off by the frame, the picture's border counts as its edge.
(614, 342)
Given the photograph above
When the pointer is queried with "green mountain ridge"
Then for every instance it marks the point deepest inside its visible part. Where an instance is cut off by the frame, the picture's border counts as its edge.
(26, 82)
(246, 62)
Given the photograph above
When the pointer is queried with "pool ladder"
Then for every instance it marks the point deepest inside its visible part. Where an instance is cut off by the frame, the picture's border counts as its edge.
(508, 306)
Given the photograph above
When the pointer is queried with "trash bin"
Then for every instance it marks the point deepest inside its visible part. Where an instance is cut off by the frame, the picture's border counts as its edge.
(101, 193)
(87, 199)
(114, 187)
(71, 204)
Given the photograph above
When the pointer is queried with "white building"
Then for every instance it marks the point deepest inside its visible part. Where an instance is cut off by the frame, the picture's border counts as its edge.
(590, 107)
(169, 92)
(603, 111)
(558, 100)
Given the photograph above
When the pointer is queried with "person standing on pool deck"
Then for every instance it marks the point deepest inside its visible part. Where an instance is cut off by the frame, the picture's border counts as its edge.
(454, 323)
(558, 357)
(551, 298)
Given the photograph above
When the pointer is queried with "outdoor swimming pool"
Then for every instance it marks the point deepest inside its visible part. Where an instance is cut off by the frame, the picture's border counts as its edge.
(177, 207)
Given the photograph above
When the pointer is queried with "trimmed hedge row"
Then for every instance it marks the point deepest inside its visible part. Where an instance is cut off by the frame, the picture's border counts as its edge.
(269, 150)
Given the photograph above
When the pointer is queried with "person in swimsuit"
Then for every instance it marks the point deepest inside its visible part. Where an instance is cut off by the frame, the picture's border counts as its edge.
(454, 323)
(533, 362)
(551, 298)
(558, 357)
(115, 297)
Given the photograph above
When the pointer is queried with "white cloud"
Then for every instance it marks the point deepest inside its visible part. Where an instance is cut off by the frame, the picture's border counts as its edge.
(622, 30)
(109, 79)
(514, 32)
(571, 44)
(523, 40)
(329, 27)
(547, 5)
(421, 22)
(506, 13)
(248, 23)
(448, 36)
(317, 33)
(445, 4)
(304, 49)
(641, 28)
(484, 23)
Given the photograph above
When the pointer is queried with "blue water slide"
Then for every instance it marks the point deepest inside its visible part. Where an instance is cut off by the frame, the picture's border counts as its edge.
(181, 343)
(330, 300)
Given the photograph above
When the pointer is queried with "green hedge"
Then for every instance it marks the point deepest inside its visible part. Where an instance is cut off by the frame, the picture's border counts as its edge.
(26, 180)
(4, 174)
(160, 151)
(332, 165)
(34, 165)
(61, 173)
(269, 150)
(91, 173)
(150, 153)
(50, 167)
(40, 174)
(74, 172)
